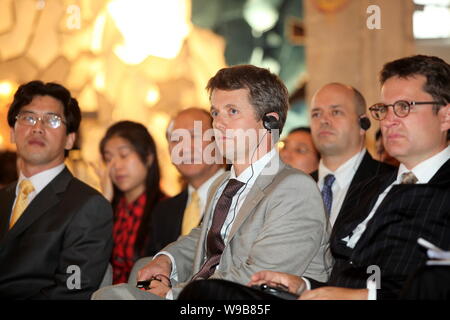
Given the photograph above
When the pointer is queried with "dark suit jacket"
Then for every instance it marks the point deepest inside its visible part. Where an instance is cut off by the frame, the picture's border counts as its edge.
(167, 219)
(367, 169)
(67, 224)
(390, 240)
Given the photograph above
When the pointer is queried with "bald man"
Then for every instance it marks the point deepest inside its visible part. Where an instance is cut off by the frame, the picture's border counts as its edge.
(338, 125)
(173, 217)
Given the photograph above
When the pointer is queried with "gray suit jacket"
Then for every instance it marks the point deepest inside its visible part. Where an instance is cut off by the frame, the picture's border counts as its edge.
(281, 226)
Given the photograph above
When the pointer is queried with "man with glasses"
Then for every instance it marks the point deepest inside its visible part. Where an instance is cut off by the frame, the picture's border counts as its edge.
(55, 231)
(389, 213)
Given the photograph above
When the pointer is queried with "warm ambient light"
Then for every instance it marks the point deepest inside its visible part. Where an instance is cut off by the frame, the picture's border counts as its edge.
(156, 28)
(6, 89)
(152, 96)
(280, 144)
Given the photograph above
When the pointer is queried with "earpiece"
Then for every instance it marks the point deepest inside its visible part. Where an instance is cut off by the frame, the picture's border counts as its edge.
(270, 122)
(364, 123)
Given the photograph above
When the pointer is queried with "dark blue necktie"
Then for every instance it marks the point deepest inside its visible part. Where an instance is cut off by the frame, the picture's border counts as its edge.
(327, 194)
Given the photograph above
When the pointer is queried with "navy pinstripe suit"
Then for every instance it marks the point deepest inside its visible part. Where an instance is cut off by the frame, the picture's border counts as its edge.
(390, 240)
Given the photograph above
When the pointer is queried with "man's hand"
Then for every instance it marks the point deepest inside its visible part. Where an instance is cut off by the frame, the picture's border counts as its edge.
(335, 293)
(159, 288)
(104, 174)
(292, 282)
(160, 265)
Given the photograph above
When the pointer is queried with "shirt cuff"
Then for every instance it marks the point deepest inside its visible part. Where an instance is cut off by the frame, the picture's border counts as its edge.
(307, 283)
(174, 273)
(169, 295)
(372, 288)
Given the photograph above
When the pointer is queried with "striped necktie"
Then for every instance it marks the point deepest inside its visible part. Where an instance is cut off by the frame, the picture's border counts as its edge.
(214, 241)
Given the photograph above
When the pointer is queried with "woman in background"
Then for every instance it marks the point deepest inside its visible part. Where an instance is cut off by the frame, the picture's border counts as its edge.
(299, 151)
(131, 182)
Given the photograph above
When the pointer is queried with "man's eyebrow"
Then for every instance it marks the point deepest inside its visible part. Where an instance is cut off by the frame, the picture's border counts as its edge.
(31, 111)
(332, 106)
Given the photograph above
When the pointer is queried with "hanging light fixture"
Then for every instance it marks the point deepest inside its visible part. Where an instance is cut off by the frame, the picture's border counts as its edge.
(156, 28)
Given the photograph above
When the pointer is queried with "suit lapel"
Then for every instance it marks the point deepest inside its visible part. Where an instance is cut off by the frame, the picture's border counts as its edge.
(45, 200)
(200, 253)
(256, 193)
(390, 202)
(7, 197)
(443, 175)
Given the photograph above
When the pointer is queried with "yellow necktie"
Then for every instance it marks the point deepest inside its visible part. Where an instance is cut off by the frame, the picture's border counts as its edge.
(191, 217)
(25, 188)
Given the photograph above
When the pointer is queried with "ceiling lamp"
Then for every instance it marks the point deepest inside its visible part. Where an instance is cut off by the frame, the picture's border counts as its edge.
(261, 15)
(150, 28)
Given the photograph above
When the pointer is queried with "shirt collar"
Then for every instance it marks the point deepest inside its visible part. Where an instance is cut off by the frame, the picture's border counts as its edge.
(343, 174)
(202, 191)
(41, 179)
(425, 170)
(250, 174)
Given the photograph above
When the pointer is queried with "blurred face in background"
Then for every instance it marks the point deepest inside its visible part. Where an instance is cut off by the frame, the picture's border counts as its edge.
(126, 169)
(188, 145)
(299, 152)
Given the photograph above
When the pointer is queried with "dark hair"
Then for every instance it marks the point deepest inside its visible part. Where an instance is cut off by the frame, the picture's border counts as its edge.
(26, 92)
(267, 93)
(301, 129)
(141, 140)
(8, 167)
(434, 69)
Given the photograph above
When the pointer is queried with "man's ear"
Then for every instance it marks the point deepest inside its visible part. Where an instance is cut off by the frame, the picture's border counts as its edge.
(150, 159)
(12, 137)
(273, 114)
(70, 140)
(444, 113)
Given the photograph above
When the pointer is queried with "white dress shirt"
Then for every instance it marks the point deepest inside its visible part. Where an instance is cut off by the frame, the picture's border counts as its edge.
(202, 191)
(344, 176)
(248, 176)
(39, 181)
(424, 171)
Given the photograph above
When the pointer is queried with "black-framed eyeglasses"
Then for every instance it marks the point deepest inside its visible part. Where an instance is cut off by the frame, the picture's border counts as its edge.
(49, 120)
(401, 108)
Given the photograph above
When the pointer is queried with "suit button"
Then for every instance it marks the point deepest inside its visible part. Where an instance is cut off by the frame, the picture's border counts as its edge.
(351, 262)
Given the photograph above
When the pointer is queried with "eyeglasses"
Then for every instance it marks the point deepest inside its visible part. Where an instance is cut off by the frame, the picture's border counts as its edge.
(401, 108)
(49, 120)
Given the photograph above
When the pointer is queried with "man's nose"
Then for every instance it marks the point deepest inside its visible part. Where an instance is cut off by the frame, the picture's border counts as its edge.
(324, 120)
(390, 119)
(38, 127)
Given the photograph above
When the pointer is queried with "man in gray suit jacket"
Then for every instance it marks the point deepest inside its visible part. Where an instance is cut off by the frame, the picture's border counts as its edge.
(261, 215)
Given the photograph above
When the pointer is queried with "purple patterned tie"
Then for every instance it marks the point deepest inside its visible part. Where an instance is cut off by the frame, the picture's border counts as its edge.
(327, 194)
(214, 241)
